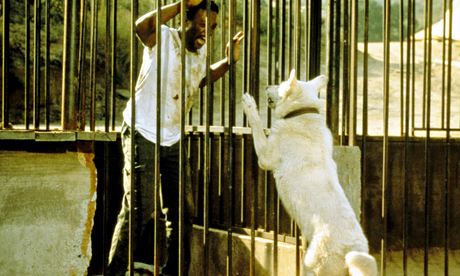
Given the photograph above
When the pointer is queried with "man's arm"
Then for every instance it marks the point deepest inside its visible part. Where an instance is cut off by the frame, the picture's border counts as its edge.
(219, 68)
(146, 25)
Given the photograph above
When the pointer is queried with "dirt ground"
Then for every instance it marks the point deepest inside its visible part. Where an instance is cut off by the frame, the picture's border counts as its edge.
(415, 263)
(396, 96)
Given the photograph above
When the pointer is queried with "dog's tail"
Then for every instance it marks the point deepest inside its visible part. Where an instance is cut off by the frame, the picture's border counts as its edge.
(361, 264)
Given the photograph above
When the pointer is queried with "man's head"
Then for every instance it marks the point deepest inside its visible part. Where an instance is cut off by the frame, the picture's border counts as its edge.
(195, 33)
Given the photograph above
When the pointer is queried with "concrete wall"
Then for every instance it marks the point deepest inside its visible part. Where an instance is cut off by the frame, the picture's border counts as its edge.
(47, 204)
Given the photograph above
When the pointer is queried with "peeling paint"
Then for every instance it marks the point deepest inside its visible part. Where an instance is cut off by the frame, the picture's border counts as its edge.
(86, 156)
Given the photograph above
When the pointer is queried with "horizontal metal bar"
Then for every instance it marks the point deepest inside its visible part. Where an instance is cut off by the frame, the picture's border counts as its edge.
(58, 136)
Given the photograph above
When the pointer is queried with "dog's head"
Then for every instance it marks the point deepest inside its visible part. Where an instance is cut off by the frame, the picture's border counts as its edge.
(294, 94)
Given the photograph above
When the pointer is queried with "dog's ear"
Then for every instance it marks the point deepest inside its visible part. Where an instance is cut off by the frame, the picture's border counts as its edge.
(292, 81)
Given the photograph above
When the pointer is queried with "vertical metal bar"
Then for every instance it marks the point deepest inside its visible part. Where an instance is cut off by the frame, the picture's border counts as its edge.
(290, 35)
(406, 198)
(298, 37)
(5, 62)
(275, 193)
(386, 96)
(181, 150)
(269, 80)
(365, 121)
(70, 42)
(401, 67)
(413, 70)
(315, 39)
(157, 164)
(297, 43)
(26, 64)
(47, 65)
(333, 67)
(254, 77)
(307, 37)
(107, 67)
(113, 63)
(81, 67)
(345, 73)
(222, 106)
(93, 53)
(353, 74)
(428, 182)
(37, 64)
(283, 39)
(246, 46)
(132, 86)
(207, 145)
(448, 145)
(231, 123)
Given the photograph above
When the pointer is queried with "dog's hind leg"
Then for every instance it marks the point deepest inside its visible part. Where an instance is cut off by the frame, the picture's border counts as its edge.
(321, 260)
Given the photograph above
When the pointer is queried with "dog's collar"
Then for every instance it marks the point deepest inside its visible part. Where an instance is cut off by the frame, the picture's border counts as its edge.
(301, 111)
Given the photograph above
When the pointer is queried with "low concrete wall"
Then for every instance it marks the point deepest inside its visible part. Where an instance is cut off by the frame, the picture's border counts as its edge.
(47, 204)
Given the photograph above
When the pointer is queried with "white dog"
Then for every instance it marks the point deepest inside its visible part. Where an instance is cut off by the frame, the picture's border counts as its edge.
(299, 152)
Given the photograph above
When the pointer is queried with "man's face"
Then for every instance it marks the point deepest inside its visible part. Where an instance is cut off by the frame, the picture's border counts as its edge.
(195, 34)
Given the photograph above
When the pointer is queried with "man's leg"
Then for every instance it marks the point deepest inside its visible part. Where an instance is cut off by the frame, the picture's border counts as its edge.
(170, 195)
(143, 200)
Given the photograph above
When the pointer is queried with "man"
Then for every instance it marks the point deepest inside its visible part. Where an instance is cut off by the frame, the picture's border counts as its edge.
(146, 136)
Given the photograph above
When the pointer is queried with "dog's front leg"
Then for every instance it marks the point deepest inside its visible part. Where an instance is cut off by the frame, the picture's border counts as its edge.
(264, 152)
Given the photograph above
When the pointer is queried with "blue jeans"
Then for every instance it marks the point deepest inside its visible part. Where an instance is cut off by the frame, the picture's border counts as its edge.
(143, 191)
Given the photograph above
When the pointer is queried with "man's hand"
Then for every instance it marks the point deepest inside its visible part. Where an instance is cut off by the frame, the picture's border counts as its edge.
(236, 47)
(192, 3)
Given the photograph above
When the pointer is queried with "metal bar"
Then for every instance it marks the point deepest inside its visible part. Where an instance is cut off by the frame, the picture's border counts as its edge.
(290, 35)
(353, 74)
(332, 101)
(307, 38)
(283, 39)
(386, 96)
(406, 198)
(254, 77)
(413, 70)
(269, 82)
(448, 145)
(107, 67)
(132, 86)
(231, 122)
(365, 121)
(275, 193)
(207, 145)
(428, 182)
(315, 39)
(298, 42)
(26, 64)
(68, 101)
(113, 63)
(81, 67)
(93, 53)
(156, 158)
(5, 62)
(47, 65)
(345, 73)
(37, 64)
(181, 149)
(298, 37)
(246, 45)
(401, 67)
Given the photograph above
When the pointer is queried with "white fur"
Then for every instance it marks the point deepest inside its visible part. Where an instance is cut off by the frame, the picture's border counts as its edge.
(299, 152)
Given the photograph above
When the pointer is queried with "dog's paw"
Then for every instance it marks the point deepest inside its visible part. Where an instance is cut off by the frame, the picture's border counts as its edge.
(249, 104)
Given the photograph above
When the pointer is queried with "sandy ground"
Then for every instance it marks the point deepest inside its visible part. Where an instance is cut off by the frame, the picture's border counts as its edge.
(396, 96)
(415, 263)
